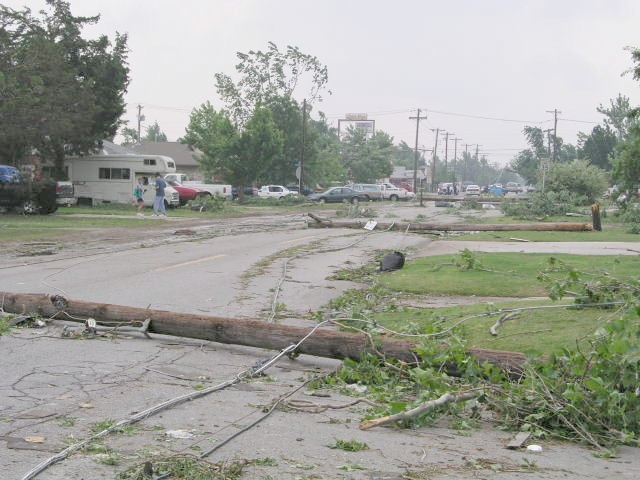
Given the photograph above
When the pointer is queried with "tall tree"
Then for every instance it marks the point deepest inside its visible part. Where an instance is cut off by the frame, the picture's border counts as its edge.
(405, 156)
(154, 134)
(64, 93)
(617, 116)
(626, 165)
(367, 159)
(598, 146)
(322, 162)
(255, 151)
(215, 135)
(527, 162)
(266, 75)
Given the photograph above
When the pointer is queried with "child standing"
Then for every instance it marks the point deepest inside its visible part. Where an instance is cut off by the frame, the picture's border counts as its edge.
(138, 194)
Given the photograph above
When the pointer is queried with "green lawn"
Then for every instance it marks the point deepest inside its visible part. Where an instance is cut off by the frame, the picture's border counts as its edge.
(501, 275)
(544, 330)
(608, 234)
(510, 275)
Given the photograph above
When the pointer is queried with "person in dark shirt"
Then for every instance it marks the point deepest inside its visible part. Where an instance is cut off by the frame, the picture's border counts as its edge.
(158, 202)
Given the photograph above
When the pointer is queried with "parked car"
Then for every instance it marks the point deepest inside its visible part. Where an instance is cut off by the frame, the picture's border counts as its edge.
(472, 190)
(337, 195)
(370, 191)
(445, 189)
(249, 191)
(64, 193)
(513, 187)
(9, 174)
(274, 191)
(186, 193)
(294, 187)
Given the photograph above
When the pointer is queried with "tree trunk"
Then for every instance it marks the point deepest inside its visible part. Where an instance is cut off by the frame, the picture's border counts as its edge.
(324, 342)
(452, 227)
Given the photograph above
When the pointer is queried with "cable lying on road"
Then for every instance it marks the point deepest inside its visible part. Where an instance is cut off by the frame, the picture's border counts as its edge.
(244, 375)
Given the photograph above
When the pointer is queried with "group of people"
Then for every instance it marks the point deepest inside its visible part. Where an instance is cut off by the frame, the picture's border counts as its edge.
(159, 208)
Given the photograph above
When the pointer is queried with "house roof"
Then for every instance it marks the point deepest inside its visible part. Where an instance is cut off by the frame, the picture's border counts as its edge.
(183, 155)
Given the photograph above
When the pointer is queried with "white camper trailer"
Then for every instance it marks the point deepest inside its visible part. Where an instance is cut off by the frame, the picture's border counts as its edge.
(101, 179)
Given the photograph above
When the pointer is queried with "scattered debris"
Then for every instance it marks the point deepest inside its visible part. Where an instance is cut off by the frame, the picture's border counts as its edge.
(507, 316)
(179, 434)
(392, 261)
(35, 439)
(518, 441)
(184, 231)
(534, 448)
(370, 225)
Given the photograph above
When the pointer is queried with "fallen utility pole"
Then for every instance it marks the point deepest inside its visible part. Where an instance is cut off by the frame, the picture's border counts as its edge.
(456, 227)
(329, 343)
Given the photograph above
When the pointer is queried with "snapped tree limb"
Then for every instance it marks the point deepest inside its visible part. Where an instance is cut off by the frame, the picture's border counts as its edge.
(448, 397)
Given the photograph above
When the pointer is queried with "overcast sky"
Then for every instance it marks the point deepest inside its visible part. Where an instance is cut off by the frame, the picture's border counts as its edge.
(481, 70)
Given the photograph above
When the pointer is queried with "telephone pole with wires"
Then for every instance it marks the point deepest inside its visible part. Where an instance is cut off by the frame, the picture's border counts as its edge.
(433, 161)
(140, 120)
(415, 166)
(555, 112)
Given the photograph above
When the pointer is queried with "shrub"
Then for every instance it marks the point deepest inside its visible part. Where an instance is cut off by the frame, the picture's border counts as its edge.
(544, 204)
(578, 177)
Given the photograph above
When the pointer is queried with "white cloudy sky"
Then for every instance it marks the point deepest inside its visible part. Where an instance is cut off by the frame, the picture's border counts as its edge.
(481, 69)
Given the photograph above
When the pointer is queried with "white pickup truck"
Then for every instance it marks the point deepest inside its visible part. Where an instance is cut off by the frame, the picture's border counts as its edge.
(391, 192)
(211, 188)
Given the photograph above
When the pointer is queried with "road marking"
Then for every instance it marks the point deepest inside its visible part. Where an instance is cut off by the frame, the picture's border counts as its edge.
(299, 239)
(177, 265)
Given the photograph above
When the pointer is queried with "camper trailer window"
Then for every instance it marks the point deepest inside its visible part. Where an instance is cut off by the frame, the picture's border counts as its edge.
(149, 161)
(171, 165)
(114, 173)
(120, 173)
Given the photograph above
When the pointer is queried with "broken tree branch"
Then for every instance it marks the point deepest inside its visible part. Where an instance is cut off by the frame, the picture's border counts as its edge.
(448, 397)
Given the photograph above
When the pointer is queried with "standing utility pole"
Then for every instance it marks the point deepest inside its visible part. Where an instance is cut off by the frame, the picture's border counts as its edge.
(455, 154)
(140, 119)
(555, 112)
(304, 137)
(446, 154)
(466, 156)
(548, 132)
(415, 166)
(433, 161)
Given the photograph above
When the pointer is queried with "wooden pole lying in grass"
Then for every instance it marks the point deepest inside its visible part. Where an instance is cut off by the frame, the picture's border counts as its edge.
(457, 227)
(325, 342)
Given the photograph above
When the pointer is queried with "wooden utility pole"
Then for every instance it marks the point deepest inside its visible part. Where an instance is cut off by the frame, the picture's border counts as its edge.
(415, 166)
(304, 137)
(455, 154)
(140, 119)
(548, 132)
(555, 112)
(434, 183)
(324, 342)
(446, 153)
(466, 157)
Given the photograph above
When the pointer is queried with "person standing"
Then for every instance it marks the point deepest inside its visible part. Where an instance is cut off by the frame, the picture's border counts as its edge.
(138, 194)
(158, 202)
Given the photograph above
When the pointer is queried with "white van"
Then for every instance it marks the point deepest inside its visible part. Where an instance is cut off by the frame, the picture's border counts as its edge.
(99, 179)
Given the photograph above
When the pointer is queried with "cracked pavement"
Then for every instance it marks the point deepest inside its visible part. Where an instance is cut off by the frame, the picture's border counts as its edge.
(55, 390)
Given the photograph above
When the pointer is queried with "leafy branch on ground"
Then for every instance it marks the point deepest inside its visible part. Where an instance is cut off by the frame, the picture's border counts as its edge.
(588, 394)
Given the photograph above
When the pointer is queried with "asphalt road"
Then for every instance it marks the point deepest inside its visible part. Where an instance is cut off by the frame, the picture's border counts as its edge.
(54, 388)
